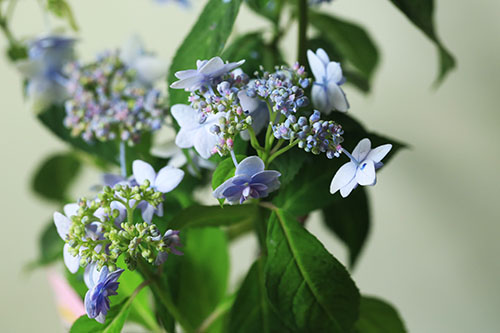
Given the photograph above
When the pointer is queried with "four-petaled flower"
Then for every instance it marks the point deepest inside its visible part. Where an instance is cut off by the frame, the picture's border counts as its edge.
(195, 129)
(326, 92)
(361, 169)
(250, 181)
(206, 71)
(165, 181)
(102, 284)
(44, 69)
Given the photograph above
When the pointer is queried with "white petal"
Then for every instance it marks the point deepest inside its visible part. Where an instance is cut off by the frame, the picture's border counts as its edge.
(250, 166)
(168, 178)
(248, 103)
(186, 137)
(189, 84)
(186, 73)
(377, 154)
(166, 149)
(343, 176)
(71, 209)
(150, 68)
(185, 115)
(334, 72)
(91, 275)
(178, 160)
(131, 50)
(204, 142)
(362, 149)
(323, 56)
(72, 263)
(147, 213)
(62, 225)
(143, 171)
(346, 190)
(212, 66)
(337, 98)
(318, 68)
(320, 99)
(365, 175)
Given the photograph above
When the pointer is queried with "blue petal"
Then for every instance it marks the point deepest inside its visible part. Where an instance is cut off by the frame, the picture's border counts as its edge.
(250, 166)
(265, 177)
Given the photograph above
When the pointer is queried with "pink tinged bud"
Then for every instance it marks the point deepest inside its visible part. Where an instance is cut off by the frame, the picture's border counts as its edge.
(230, 142)
(239, 111)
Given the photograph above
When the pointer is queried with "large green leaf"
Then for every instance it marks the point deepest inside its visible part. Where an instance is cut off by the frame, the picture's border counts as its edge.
(214, 216)
(54, 176)
(421, 14)
(349, 219)
(289, 165)
(251, 311)
(308, 287)
(350, 40)
(377, 316)
(198, 279)
(206, 39)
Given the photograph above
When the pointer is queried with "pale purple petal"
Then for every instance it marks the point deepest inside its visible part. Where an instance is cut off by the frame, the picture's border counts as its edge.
(346, 190)
(143, 171)
(337, 97)
(334, 72)
(320, 98)
(323, 56)
(212, 66)
(344, 176)
(317, 66)
(250, 166)
(266, 176)
(377, 154)
(62, 225)
(168, 178)
(362, 149)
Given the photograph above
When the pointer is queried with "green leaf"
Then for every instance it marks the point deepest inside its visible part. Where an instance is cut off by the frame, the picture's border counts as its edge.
(214, 216)
(350, 40)
(206, 39)
(251, 311)
(62, 9)
(198, 279)
(54, 176)
(269, 9)
(224, 171)
(349, 219)
(50, 247)
(308, 287)
(421, 14)
(289, 165)
(378, 316)
(115, 319)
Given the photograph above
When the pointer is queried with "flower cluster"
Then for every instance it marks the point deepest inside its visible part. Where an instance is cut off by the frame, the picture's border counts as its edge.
(110, 100)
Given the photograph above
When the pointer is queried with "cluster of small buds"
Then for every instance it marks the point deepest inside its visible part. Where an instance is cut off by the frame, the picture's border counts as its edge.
(104, 228)
(223, 98)
(283, 88)
(108, 102)
(313, 134)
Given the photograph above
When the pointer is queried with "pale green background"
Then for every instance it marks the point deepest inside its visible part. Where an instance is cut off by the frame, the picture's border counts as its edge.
(433, 250)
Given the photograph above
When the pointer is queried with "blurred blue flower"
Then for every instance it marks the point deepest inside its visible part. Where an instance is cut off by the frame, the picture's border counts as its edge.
(326, 92)
(361, 169)
(250, 181)
(182, 3)
(204, 74)
(171, 240)
(101, 285)
(44, 69)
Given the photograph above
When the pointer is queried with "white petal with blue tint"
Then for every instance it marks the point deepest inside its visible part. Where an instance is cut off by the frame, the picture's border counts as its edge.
(365, 174)
(71, 262)
(362, 149)
(377, 154)
(344, 175)
(143, 171)
(168, 178)
(62, 225)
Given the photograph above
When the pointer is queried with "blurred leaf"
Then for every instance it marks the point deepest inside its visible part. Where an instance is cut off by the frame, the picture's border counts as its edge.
(214, 216)
(255, 51)
(377, 316)
(349, 219)
(50, 247)
(198, 279)
(206, 39)
(76, 281)
(54, 176)
(350, 40)
(269, 9)
(251, 311)
(421, 14)
(308, 287)
(289, 165)
(62, 9)
(217, 322)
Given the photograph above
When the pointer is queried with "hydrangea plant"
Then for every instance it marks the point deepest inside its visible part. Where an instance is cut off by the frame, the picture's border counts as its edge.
(265, 130)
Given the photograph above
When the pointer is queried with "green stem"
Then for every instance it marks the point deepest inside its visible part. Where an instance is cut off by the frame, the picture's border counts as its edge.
(153, 325)
(278, 145)
(302, 36)
(161, 291)
(281, 151)
(253, 140)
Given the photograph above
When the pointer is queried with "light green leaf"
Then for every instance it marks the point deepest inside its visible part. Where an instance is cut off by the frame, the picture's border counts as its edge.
(54, 176)
(62, 9)
(378, 316)
(269, 9)
(421, 14)
(206, 39)
(115, 319)
(308, 287)
(350, 40)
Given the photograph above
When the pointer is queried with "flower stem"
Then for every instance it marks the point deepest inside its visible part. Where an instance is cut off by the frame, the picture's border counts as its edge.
(123, 160)
(281, 151)
(302, 36)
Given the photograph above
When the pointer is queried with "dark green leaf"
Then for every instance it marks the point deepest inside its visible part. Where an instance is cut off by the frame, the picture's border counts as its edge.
(214, 216)
(308, 287)
(377, 316)
(269, 9)
(206, 39)
(224, 171)
(349, 219)
(50, 247)
(198, 279)
(421, 14)
(289, 165)
(54, 176)
(350, 40)
(255, 51)
(251, 311)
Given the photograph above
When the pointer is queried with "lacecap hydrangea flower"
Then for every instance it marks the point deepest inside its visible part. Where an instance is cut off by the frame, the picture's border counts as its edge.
(326, 92)
(250, 181)
(361, 169)
(44, 69)
(113, 98)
